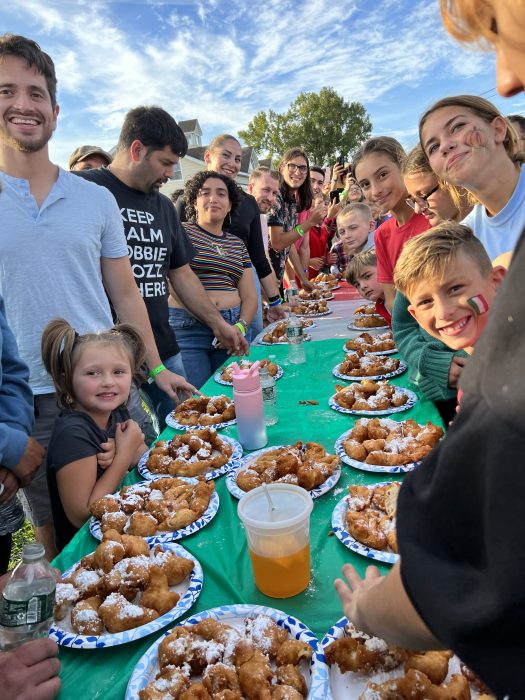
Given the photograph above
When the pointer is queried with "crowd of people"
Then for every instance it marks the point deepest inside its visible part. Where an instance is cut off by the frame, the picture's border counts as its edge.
(176, 286)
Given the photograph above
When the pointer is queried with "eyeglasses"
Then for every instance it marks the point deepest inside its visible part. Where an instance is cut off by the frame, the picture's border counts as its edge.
(422, 202)
(293, 168)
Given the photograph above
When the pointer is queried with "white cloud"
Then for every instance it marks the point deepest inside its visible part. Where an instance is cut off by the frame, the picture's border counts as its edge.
(224, 63)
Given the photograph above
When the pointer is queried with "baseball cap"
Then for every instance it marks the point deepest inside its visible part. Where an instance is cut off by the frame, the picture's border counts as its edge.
(83, 152)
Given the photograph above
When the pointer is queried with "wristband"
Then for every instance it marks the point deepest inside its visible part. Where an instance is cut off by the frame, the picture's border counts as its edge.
(153, 373)
(271, 300)
(277, 302)
(300, 230)
(241, 327)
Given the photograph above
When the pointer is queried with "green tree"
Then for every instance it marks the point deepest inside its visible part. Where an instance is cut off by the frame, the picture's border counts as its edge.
(323, 123)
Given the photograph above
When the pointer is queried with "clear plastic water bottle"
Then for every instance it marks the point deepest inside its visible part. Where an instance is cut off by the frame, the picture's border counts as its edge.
(28, 599)
(292, 293)
(269, 394)
(11, 516)
(295, 337)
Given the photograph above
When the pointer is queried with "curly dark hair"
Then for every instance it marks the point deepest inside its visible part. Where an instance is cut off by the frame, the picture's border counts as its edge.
(194, 186)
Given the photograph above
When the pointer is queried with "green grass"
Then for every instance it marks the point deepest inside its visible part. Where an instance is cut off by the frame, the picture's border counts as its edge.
(25, 534)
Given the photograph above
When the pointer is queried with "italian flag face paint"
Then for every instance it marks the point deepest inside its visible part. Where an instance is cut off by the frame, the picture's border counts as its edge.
(479, 304)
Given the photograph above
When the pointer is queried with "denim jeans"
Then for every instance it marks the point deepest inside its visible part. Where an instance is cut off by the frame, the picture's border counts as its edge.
(257, 323)
(195, 339)
(159, 400)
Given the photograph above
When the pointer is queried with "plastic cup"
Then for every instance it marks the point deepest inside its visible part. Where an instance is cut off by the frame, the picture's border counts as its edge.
(278, 539)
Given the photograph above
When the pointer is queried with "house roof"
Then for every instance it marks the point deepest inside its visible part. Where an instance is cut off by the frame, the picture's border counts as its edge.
(197, 152)
(189, 125)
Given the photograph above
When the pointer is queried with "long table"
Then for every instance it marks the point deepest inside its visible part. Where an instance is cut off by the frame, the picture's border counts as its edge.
(221, 546)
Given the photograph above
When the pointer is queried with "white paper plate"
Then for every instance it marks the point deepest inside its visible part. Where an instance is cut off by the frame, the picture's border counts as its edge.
(351, 326)
(412, 400)
(234, 615)
(376, 352)
(232, 487)
(315, 301)
(219, 380)
(308, 315)
(189, 590)
(170, 420)
(350, 686)
(213, 474)
(347, 378)
(306, 338)
(162, 537)
(342, 534)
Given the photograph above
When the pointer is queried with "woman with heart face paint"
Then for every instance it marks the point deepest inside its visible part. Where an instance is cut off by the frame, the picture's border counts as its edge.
(469, 144)
(459, 584)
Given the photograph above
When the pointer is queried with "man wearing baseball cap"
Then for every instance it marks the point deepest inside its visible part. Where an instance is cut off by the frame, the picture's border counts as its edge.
(89, 158)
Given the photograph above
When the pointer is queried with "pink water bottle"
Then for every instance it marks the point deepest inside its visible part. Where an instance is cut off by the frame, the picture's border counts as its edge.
(249, 406)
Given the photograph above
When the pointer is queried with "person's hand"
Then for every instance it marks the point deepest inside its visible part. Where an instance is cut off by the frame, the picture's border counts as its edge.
(317, 215)
(316, 263)
(170, 383)
(337, 172)
(231, 339)
(353, 589)
(307, 285)
(107, 453)
(30, 672)
(128, 438)
(276, 313)
(332, 258)
(334, 209)
(29, 462)
(454, 373)
(9, 485)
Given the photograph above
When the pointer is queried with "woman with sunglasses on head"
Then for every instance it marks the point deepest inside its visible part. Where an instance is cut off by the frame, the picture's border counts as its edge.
(435, 368)
(223, 266)
(295, 196)
(224, 156)
(459, 584)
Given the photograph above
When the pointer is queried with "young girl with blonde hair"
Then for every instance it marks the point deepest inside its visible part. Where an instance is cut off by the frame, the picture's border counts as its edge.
(92, 375)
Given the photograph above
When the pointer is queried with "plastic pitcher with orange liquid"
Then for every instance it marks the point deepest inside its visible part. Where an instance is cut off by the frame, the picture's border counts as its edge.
(278, 537)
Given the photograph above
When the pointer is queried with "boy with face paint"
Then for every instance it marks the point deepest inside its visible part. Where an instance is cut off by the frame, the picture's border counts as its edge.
(450, 283)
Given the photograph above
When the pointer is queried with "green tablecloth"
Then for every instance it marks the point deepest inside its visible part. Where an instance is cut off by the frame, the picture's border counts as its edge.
(221, 546)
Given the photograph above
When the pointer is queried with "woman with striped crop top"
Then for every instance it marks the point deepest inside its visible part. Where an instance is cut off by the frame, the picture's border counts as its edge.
(224, 268)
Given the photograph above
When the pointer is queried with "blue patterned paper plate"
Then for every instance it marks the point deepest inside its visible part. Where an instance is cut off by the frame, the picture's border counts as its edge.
(339, 528)
(232, 487)
(189, 592)
(363, 466)
(369, 352)
(317, 682)
(347, 378)
(412, 400)
(353, 327)
(170, 420)
(213, 474)
(309, 315)
(217, 377)
(162, 537)
(306, 338)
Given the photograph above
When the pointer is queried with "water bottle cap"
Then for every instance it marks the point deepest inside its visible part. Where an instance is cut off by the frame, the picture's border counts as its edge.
(246, 379)
(33, 551)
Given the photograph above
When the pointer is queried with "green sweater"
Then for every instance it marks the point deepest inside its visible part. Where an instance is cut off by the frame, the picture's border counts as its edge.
(428, 358)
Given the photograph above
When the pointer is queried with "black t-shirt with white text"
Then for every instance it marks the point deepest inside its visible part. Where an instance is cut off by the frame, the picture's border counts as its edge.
(157, 243)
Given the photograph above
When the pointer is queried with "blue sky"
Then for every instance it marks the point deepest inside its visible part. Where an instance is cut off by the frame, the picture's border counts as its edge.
(223, 61)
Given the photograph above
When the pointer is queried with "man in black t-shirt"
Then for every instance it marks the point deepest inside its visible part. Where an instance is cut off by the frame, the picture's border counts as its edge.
(149, 147)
